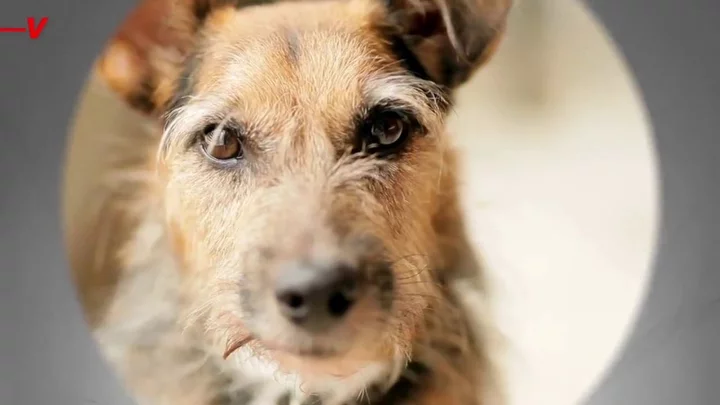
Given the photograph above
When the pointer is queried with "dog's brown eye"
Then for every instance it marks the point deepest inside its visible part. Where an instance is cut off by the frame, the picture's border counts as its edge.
(387, 130)
(221, 144)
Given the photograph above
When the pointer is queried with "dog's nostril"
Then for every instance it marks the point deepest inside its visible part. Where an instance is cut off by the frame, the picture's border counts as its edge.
(339, 304)
(294, 301)
(343, 298)
(293, 305)
(316, 298)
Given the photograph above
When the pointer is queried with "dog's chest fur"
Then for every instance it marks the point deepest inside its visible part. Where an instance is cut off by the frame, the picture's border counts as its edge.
(161, 362)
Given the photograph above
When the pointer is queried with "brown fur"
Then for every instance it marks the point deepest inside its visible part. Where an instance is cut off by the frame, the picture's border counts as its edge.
(296, 76)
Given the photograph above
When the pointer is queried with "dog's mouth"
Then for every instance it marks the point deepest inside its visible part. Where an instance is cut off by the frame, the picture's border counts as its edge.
(312, 362)
(314, 352)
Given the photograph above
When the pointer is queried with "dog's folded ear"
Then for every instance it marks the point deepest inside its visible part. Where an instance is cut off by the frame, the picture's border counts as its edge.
(448, 40)
(146, 55)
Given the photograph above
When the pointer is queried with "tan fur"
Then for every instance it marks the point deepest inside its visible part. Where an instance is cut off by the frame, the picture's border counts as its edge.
(295, 74)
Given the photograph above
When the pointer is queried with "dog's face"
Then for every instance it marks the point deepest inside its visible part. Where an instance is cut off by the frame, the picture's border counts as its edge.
(302, 158)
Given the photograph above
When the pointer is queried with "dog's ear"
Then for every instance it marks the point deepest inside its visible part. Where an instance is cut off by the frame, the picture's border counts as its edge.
(145, 58)
(447, 39)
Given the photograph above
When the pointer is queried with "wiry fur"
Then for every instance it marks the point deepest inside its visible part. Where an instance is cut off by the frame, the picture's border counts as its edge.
(204, 243)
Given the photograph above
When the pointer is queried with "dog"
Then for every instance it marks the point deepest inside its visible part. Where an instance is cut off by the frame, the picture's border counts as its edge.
(289, 229)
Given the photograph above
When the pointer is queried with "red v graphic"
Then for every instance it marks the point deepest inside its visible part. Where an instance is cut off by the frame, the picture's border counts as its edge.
(36, 30)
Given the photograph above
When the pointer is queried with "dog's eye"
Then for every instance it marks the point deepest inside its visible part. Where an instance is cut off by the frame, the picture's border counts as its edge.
(221, 144)
(387, 130)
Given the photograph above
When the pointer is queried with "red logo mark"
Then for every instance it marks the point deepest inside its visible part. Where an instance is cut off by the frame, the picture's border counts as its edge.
(33, 30)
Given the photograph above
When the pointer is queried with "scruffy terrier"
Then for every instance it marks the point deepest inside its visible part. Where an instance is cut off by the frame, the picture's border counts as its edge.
(292, 234)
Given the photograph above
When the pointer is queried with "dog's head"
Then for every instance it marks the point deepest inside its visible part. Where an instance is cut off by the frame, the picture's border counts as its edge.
(302, 160)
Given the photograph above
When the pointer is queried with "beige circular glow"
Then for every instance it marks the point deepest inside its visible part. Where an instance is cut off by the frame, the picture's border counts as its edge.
(562, 193)
(560, 188)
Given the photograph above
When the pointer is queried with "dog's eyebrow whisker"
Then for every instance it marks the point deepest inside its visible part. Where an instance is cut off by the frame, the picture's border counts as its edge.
(409, 256)
(427, 297)
(412, 280)
(215, 139)
(422, 97)
(416, 283)
(408, 267)
(183, 122)
(411, 274)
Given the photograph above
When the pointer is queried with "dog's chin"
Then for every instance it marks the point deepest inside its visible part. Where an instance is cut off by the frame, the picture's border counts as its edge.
(318, 362)
(311, 366)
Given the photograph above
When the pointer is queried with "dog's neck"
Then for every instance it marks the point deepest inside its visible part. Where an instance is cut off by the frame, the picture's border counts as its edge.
(370, 387)
(367, 386)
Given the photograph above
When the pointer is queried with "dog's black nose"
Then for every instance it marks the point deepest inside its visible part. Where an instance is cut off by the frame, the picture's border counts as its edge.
(316, 298)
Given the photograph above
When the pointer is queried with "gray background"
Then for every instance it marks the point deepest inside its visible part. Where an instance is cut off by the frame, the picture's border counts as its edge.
(672, 357)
